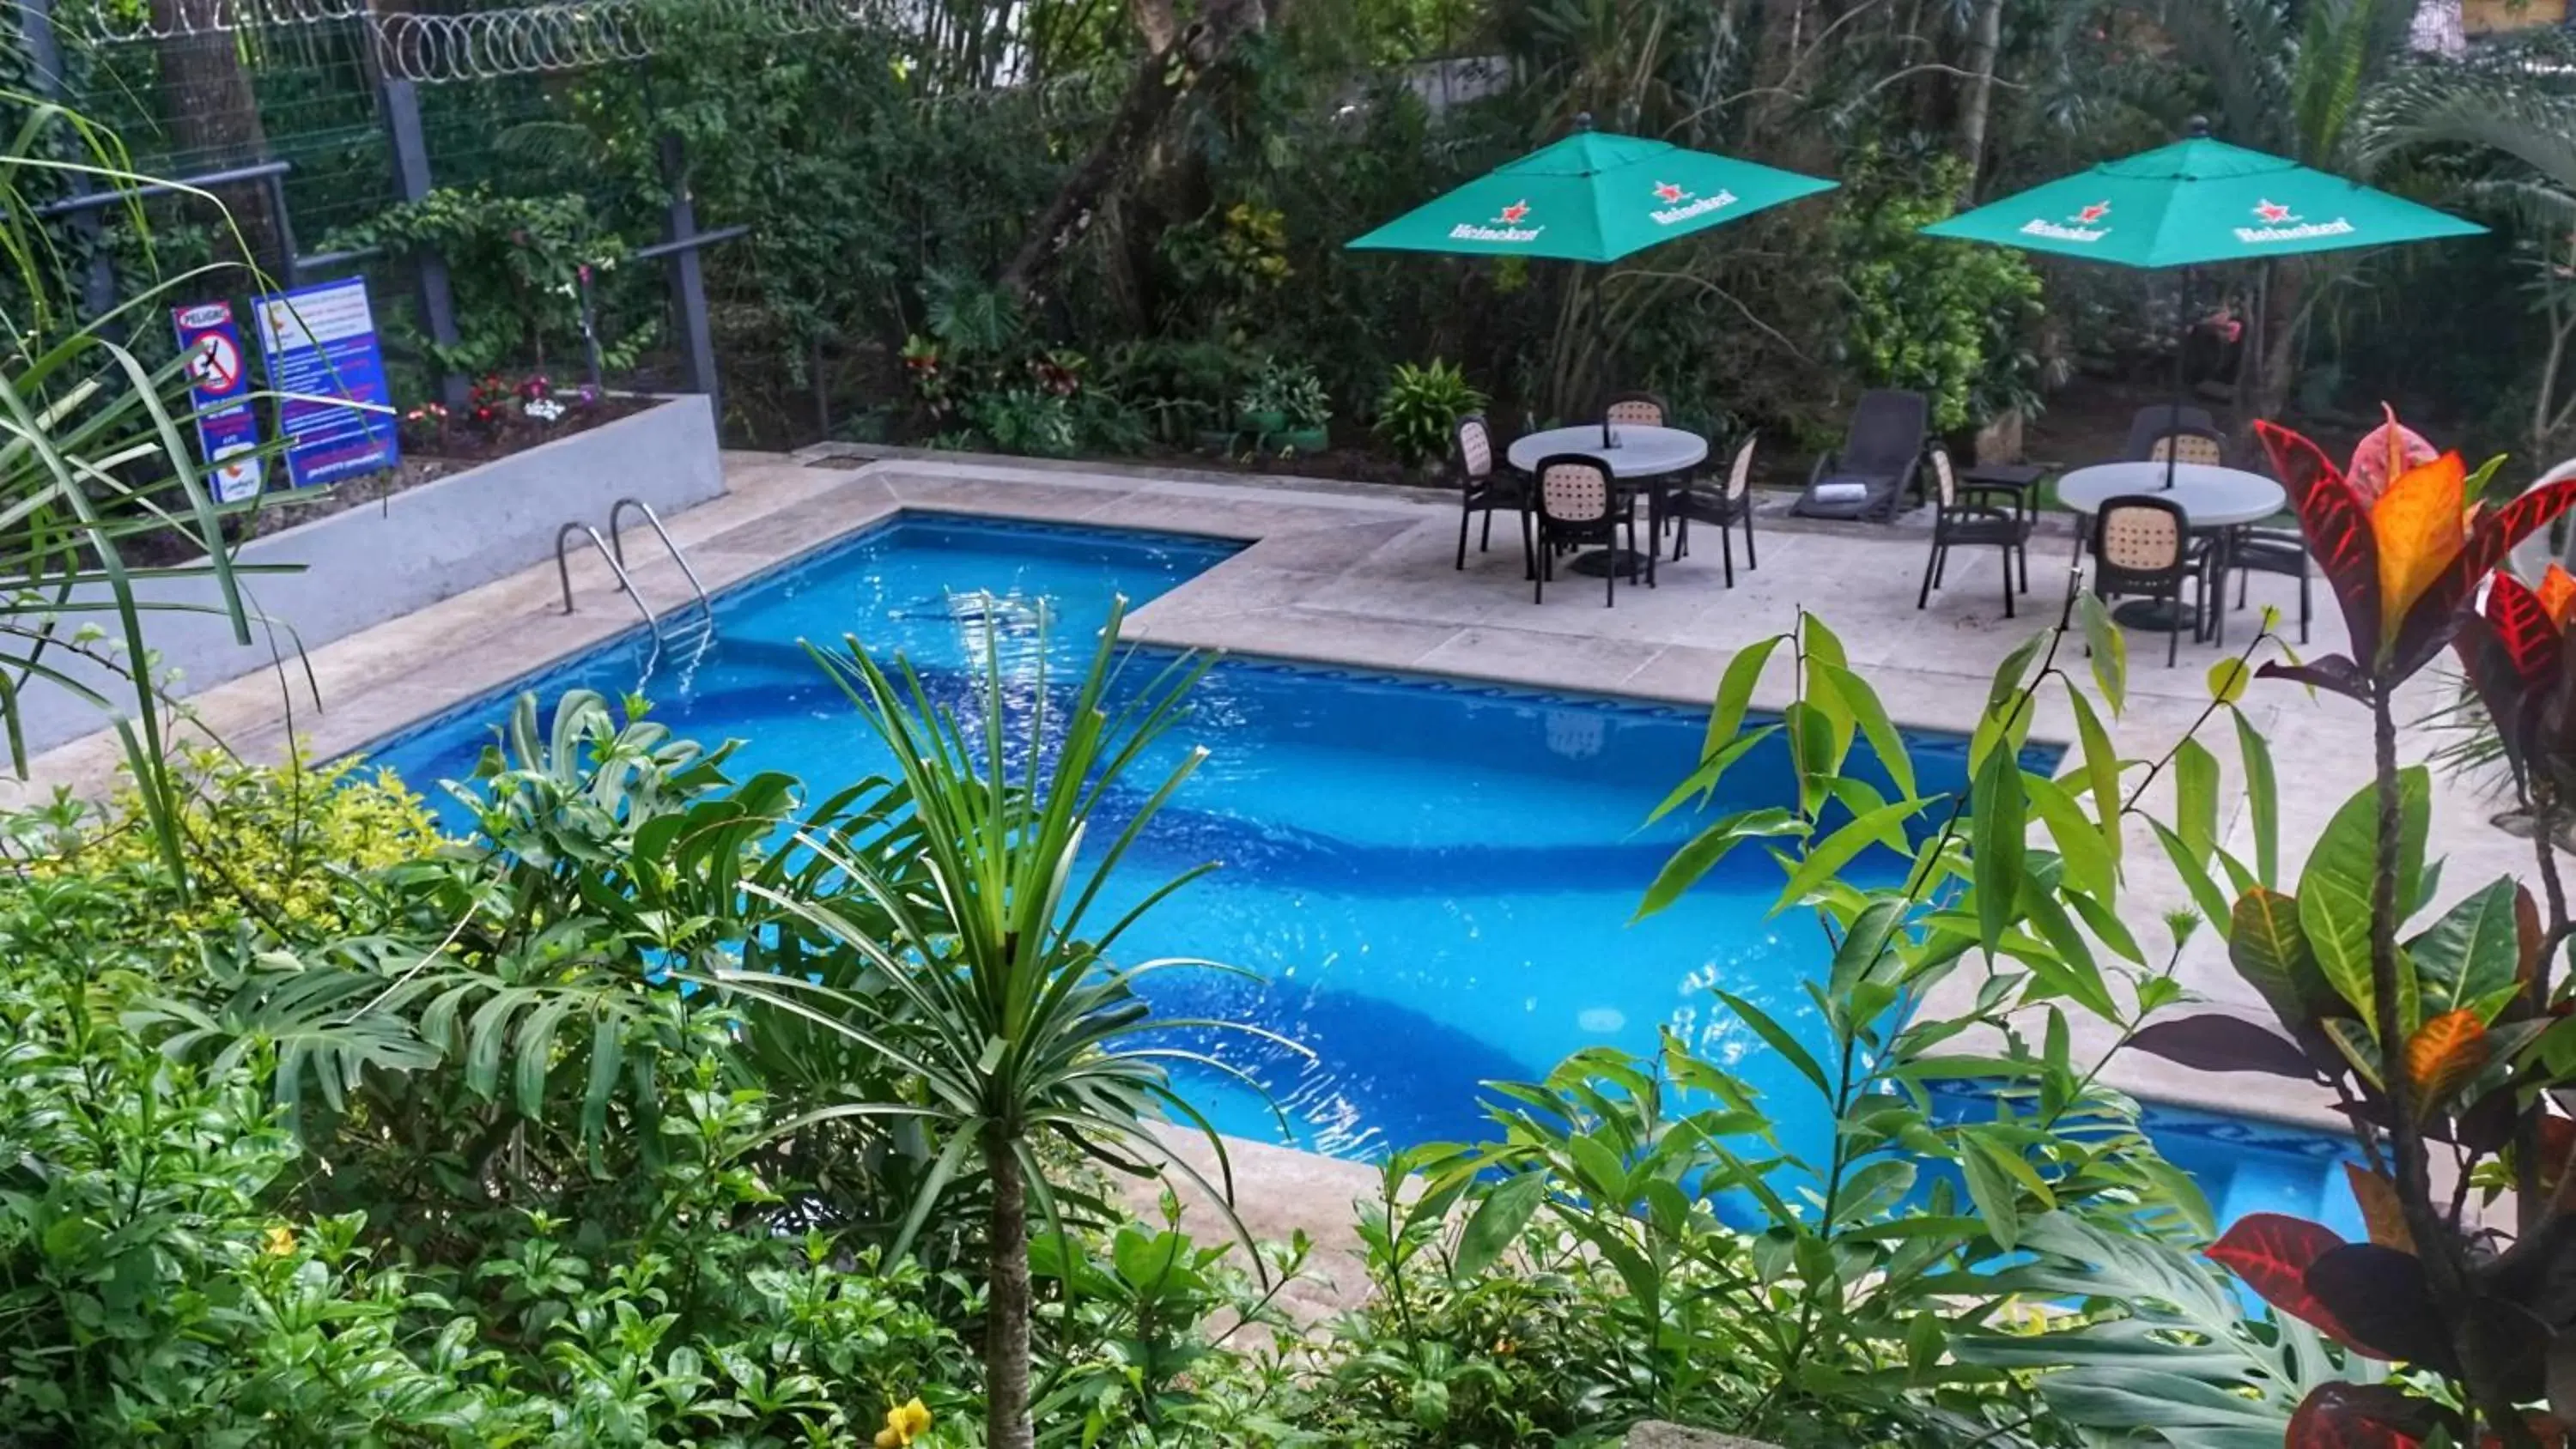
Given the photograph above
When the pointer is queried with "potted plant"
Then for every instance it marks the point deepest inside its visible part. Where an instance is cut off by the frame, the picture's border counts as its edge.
(1285, 408)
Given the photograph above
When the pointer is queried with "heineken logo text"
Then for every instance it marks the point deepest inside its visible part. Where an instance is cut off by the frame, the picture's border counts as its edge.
(2254, 236)
(1685, 210)
(1468, 231)
(2057, 232)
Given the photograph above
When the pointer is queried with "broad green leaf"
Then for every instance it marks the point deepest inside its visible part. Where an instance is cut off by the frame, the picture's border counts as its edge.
(2472, 953)
(1865, 943)
(1827, 857)
(2205, 893)
(1884, 739)
(2262, 799)
(1597, 1164)
(2227, 680)
(1499, 1221)
(1995, 843)
(2269, 949)
(2089, 867)
(2009, 679)
(2196, 799)
(1992, 1189)
(1735, 692)
(1814, 750)
(2070, 970)
(2335, 899)
(2108, 647)
(1779, 1040)
(2101, 769)
(1710, 846)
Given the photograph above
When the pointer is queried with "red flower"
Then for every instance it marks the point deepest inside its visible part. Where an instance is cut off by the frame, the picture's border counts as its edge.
(2400, 545)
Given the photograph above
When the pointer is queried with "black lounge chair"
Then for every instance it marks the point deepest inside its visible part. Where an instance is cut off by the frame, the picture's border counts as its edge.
(1881, 457)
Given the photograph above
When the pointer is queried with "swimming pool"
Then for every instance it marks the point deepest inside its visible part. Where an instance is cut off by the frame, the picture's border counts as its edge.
(1432, 881)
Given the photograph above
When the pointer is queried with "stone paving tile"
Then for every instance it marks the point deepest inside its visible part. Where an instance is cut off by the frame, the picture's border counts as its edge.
(1548, 661)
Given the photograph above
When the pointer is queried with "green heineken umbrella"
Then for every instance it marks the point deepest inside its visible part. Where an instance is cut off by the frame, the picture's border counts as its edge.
(2195, 202)
(1592, 197)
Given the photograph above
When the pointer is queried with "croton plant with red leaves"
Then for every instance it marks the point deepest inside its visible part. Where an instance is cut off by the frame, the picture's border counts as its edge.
(2453, 1043)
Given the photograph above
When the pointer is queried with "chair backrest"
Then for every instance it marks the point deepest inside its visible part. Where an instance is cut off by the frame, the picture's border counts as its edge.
(2160, 420)
(1739, 477)
(1945, 483)
(2189, 445)
(1887, 431)
(1573, 489)
(1475, 447)
(2138, 539)
(1635, 410)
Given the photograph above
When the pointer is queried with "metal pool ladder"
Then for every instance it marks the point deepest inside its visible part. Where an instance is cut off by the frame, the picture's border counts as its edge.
(613, 550)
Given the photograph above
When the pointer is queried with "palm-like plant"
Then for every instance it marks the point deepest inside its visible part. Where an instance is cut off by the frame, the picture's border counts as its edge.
(92, 455)
(1001, 995)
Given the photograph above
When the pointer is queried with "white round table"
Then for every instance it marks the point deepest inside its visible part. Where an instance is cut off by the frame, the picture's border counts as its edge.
(2209, 496)
(1634, 452)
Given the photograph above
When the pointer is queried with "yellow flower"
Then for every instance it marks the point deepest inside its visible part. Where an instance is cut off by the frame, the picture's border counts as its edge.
(904, 1423)
(277, 1242)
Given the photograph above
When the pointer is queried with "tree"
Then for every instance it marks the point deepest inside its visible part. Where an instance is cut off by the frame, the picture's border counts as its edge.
(211, 112)
(1002, 997)
(2293, 80)
(1179, 58)
(2513, 113)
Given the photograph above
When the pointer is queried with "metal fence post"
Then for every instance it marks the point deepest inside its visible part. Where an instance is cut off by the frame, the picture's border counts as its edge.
(45, 62)
(688, 279)
(411, 183)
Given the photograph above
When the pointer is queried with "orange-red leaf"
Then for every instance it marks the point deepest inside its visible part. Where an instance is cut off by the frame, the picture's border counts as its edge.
(2443, 1055)
(2380, 1210)
(2417, 526)
(2557, 594)
(2337, 525)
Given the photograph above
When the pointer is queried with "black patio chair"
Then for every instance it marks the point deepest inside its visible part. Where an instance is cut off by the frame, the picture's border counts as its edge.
(1722, 508)
(1975, 515)
(2143, 547)
(1483, 488)
(2160, 419)
(2257, 550)
(1880, 459)
(1578, 504)
(2190, 445)
(1635, 409)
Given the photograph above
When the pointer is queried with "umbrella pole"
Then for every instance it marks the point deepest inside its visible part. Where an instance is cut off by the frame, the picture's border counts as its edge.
(1601, 344)
(2182, 355)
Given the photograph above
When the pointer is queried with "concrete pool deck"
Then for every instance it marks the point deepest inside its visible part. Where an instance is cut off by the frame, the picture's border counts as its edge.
(1361, 575)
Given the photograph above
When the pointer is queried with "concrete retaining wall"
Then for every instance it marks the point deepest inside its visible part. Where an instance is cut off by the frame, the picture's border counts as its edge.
(379, 561)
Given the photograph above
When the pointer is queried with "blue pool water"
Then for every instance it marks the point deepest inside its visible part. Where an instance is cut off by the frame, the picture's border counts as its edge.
(1432, 883)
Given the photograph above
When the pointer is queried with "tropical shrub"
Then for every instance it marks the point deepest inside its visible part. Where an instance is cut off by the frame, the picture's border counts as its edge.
(2445, 1045)
(517, 265)
(995, 988)
(274, 845)
(1647, 1238)
(1421, 408)
(1941, 318)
